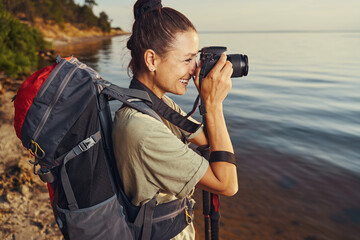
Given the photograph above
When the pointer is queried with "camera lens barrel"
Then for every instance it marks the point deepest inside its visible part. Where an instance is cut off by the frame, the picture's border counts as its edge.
(210, 55)
(240, 64)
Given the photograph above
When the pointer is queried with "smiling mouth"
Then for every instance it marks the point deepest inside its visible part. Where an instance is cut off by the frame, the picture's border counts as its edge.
(183, 81)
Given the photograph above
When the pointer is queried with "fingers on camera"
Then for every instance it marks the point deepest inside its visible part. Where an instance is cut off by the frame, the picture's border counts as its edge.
(228, 69)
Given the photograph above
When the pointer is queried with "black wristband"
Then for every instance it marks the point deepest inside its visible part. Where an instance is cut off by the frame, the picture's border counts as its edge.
(222, 156)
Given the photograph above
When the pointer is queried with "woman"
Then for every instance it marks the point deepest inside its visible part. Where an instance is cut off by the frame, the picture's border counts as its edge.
(150, 155)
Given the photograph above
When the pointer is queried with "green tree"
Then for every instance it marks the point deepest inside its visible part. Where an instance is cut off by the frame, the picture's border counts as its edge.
(18, 45)
(57, 10)
(104, 22)
(91, 3)
(87, 17)
(25, 7)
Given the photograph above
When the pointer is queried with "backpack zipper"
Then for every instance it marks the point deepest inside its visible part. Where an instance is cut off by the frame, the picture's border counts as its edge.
(97, 75)
(53, 102)
(51, 77)
(87, 68)
(168, 216)
(90, 70)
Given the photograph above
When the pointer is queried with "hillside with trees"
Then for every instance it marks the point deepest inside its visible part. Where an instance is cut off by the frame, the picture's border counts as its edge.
(59, 11)
(28, 27)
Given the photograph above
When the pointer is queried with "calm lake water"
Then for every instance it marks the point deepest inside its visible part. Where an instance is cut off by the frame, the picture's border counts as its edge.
(295, 125)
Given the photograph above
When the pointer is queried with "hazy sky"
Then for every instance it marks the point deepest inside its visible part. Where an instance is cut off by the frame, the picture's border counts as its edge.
(255, 15)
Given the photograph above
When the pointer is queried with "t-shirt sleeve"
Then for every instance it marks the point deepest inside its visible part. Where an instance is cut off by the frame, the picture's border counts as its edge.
(170, 164)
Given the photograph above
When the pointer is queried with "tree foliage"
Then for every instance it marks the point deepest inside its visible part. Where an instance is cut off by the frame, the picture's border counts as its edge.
(104, 22)
(19, 44)
(59, 11)
(91, 3)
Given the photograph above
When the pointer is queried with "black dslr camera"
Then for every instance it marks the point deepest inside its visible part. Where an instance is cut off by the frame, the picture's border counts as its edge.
(210, 55)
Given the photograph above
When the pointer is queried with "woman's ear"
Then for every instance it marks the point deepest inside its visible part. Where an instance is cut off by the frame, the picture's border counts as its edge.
(150, 58)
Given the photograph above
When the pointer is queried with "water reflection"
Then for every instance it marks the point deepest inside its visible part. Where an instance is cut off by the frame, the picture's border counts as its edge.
(89, 52)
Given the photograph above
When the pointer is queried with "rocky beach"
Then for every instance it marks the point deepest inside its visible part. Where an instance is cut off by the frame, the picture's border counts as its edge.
(25, 211)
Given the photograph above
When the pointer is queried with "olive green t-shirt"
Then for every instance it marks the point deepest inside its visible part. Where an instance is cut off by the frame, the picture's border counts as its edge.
(151, 158)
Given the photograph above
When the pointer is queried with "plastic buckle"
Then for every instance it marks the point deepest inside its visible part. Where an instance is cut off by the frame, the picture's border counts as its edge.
(86, 144)
(46, 175)
(58, 59)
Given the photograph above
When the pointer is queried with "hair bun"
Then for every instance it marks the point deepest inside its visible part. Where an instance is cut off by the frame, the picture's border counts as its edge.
(142, 7)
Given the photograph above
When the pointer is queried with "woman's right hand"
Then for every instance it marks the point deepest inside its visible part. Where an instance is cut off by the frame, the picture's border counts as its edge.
(217, 84)
(221, 177)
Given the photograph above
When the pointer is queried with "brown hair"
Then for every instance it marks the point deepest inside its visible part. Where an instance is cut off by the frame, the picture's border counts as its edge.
(154, 28)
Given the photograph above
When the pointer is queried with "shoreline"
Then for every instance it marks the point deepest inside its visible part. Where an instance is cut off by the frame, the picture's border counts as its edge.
(67, 33)
(60, 42)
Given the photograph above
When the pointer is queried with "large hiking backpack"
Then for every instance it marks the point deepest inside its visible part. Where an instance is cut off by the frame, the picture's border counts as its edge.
(63, 118)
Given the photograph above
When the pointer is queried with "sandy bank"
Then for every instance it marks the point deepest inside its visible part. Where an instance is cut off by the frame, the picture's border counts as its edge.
(67, 33)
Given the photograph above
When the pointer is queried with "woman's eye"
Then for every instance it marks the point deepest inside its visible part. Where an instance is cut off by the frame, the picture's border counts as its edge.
(188, 60)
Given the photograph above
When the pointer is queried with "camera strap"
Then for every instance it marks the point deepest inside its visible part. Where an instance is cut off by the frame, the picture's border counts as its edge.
(164, 110)
(202, 108)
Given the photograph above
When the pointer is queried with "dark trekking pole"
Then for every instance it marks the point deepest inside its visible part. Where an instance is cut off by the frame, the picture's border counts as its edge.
(215, 216)
(204, 151)
(206, 212)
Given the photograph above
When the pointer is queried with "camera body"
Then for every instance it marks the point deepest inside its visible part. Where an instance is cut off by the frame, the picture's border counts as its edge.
(209, 56)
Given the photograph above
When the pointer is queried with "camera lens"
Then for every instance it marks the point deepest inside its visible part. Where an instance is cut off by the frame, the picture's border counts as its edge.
(240, 64)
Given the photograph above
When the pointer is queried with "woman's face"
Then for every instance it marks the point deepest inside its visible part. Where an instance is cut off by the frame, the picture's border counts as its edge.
(175, 68)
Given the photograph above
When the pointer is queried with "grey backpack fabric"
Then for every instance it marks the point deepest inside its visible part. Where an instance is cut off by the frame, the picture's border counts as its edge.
(70, 121)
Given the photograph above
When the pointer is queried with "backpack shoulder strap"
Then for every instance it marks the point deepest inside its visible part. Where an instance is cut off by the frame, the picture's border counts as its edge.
(134, 98)
(145, 108)
(123, 94)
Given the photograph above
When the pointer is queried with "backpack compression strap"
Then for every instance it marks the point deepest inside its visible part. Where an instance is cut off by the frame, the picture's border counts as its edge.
(83, 146)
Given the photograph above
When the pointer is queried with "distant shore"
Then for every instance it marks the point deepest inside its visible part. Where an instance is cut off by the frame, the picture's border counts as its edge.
(68, 33)
(90, 37)
(75, 40)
